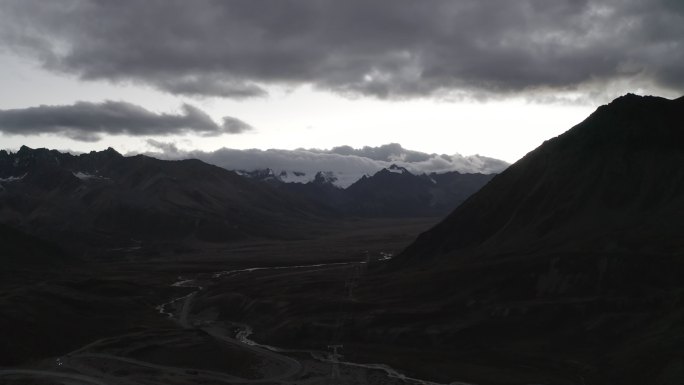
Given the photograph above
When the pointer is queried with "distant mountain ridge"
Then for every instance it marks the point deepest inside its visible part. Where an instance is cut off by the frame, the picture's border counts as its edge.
(396, 192)
(106, 201)
(103, 198)
(269, 175)
(391, 192)
(345, 163)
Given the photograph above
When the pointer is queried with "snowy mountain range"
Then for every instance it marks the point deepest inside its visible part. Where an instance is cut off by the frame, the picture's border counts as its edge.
(391, 192)
(284, 176)
(342, 165)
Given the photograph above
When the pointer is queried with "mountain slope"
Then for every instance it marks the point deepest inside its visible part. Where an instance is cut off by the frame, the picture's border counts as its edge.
(103, 199)
(564, 269)
(395, 192)
(612, 183)
(20, 249)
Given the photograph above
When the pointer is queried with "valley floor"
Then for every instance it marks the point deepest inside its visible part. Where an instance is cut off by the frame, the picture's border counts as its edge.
(141, 321)
(271, 312)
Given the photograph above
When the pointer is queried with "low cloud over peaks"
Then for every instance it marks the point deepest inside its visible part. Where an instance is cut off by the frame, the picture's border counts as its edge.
(85, 121)
(348, 164)
(383, 48)
(391, 152)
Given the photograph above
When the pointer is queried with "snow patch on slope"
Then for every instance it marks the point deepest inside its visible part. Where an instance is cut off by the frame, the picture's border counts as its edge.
(85, 176)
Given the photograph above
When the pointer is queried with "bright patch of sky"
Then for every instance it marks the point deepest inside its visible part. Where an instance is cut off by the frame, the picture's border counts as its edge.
(302, 117)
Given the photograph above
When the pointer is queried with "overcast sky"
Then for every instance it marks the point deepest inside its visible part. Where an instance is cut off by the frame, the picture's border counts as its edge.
(493, 77)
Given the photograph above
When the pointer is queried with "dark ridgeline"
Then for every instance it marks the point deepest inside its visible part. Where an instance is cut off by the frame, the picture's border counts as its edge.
(104, 200)
(613, 183)
(567, 265)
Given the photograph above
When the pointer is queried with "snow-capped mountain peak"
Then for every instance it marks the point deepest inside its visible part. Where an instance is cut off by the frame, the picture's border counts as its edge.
(347, 164)
(397, 169)
(287, 176)
(327, 177)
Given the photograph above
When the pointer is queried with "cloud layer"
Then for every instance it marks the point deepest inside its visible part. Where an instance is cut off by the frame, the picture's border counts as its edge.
(86, 121)
(383, 48)
(346, 163)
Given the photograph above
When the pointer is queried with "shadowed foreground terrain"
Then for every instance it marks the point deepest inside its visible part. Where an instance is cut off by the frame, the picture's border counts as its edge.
(120, 323)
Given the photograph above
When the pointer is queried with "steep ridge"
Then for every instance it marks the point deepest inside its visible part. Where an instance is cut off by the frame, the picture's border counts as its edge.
(105, 200)
(612, 183)
(564, 269)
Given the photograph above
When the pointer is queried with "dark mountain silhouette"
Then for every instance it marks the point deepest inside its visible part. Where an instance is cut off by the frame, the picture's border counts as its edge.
(395, 192)
(614, 183)
(565, 268)
(103, 199)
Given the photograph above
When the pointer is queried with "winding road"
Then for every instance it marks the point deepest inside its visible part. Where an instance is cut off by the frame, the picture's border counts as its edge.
(182, 309)
(245, 341)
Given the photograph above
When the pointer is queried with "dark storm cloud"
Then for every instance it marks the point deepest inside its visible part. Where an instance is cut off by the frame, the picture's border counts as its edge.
(88, 121)
(385, 48)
